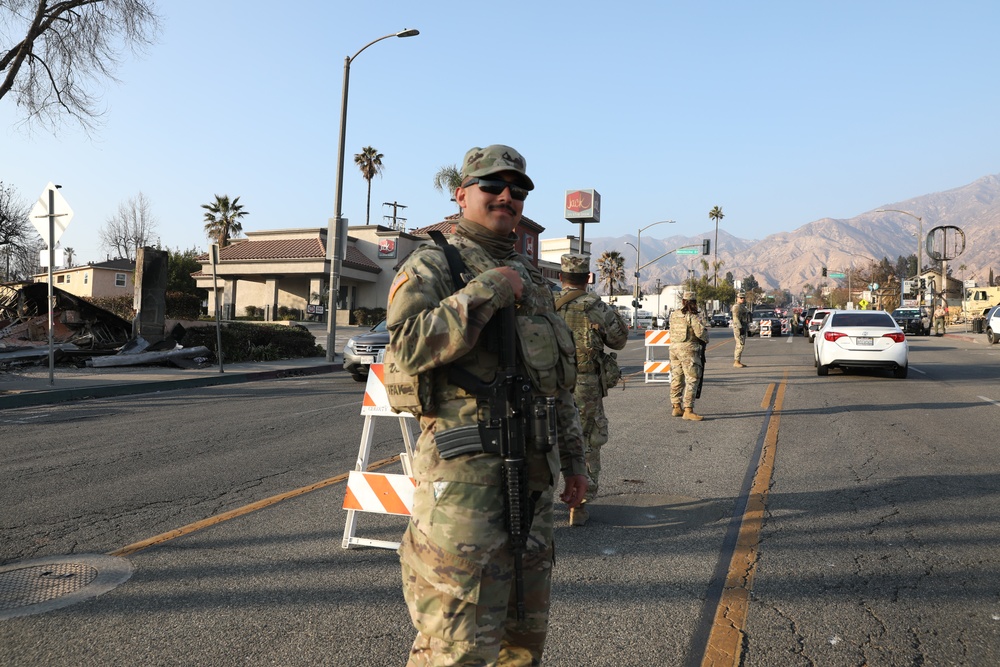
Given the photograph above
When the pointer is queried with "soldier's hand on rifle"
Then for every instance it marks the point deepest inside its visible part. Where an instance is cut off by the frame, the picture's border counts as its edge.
(574, 489)
(512, 277)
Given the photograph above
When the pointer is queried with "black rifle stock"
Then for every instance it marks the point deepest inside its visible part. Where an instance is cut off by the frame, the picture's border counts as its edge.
(701, 380)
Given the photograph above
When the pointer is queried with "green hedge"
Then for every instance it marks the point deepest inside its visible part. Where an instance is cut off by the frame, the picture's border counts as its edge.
(250, 341)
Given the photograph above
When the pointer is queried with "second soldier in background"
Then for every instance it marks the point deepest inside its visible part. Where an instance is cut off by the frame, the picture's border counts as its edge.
(595, 325)
(688, 337)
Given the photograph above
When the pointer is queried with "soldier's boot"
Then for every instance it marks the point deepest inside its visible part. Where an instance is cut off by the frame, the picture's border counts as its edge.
(739, 364)
(578, 516)
(691, 416)
(677, 412)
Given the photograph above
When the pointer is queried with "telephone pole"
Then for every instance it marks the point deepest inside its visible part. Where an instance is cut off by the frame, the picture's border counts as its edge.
(397, 222)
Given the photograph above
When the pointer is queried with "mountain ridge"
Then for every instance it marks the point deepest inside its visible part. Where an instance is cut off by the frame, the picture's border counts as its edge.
(791, 259)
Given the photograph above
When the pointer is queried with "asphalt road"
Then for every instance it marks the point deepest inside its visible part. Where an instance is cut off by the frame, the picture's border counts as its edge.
(869, 537)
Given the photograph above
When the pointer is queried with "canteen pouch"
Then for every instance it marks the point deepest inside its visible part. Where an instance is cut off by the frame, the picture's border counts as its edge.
(611, 372)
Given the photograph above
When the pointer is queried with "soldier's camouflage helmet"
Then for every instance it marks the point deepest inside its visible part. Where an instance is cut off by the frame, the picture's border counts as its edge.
(688, 296)
(494, 159)
(574, 263)
(741, 294)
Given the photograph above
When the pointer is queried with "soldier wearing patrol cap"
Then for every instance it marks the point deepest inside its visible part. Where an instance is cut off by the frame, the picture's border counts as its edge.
(595, 325)
(688, 336)
(741, 327)
(458, 563)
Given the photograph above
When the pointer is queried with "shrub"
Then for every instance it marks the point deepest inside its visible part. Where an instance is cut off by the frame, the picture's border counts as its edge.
(369, 316)
(246, 341)
(252, 311)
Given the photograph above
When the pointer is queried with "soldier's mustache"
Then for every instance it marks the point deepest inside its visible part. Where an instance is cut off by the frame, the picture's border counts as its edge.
(505, 207)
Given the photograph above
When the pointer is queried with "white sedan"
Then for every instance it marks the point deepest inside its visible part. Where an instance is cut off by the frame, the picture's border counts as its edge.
(861, 339)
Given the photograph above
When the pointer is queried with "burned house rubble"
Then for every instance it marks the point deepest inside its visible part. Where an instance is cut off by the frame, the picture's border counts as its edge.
(82, 334)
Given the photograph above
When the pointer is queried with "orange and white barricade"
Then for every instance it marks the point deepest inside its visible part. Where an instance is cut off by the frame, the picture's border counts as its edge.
(657, 370)
(375, 492)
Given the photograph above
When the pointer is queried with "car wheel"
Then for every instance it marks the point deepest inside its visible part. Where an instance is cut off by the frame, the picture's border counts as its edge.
(900, 372)
(822, 370)
(358, 377)
(991, 336)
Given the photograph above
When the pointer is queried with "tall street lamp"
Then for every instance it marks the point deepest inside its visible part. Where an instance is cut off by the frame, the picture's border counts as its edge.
(333, 241)
(920, 235)
(638, 244)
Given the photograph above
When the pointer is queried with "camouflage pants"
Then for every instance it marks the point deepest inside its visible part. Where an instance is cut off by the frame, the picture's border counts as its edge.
(590, 402)
(939, 327)
(740, 342)
(685, 374)
(458, 578)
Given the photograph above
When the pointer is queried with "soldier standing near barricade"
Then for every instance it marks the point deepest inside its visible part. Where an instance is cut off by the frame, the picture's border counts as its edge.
(477, 554)
(741, 327)
(688, 338)
(595, 325)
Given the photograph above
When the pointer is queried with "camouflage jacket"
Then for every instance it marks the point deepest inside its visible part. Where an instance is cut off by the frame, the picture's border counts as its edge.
(595, 325)
(741, 317)
(431, 326)
(687, 330)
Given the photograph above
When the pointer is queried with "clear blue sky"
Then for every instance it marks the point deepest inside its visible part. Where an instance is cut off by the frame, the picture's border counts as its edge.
(779, 112)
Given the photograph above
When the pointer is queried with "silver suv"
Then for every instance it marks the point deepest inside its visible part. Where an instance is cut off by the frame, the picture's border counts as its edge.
(362, 350)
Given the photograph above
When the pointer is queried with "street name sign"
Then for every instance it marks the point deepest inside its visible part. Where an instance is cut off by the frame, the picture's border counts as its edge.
(836, 274)
(688, 251)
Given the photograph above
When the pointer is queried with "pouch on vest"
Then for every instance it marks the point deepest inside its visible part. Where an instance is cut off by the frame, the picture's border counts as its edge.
(611, 372)
(548, 351)
(407, 393)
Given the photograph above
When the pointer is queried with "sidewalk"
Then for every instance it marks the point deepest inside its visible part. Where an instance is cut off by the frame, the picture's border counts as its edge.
(31, 386)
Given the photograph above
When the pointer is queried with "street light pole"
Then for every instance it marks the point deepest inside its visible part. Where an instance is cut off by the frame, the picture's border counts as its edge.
(333, 240)
(920, 240)
(638, 244)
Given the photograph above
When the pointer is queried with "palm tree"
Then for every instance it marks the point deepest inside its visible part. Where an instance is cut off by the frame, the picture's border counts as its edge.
(448, 179)
(611, 270)
(716, 214)
(69, 257)
(369, 161)
(222, 219)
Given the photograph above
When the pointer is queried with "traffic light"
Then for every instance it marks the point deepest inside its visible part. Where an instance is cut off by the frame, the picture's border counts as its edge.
(706, 246)
(824, 272)
(923, 283)
(635, 303)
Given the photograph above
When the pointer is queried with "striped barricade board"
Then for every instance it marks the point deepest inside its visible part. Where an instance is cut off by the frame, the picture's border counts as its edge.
(657, 345)
(364, 488)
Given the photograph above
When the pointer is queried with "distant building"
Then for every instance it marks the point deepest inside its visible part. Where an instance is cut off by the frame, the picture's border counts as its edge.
(114, 277)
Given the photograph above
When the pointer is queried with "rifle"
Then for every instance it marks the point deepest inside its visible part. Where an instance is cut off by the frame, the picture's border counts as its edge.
(508, 403)
(701, 380)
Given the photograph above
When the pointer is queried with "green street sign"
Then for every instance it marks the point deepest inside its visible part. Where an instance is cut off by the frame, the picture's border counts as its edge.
(688, 251)
(837, 275)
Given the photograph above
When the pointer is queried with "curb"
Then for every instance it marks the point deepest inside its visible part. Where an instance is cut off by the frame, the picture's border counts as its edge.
(33, 398)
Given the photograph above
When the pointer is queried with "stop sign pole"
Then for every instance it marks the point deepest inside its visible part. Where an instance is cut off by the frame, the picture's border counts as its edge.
(49, 232)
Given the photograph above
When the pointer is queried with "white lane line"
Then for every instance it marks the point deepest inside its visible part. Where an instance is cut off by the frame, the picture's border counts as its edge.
(989, 400)
(918, 370)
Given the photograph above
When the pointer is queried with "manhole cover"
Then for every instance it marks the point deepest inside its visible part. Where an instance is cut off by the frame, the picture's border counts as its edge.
(36, 586)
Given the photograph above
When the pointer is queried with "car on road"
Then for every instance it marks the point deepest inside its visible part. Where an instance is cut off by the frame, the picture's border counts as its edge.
(912, 321)
(362, 350)
(814, 322)
(759, 316)
(719, 320)
(861, 339)
(992, 325)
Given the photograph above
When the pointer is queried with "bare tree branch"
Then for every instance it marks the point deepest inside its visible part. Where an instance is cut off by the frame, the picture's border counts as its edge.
(130, 228)
(68, 49)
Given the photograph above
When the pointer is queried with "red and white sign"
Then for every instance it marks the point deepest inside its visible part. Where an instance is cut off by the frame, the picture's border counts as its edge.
(583, 206)
(376, 400)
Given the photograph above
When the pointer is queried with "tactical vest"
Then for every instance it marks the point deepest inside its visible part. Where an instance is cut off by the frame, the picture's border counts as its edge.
(575, 308)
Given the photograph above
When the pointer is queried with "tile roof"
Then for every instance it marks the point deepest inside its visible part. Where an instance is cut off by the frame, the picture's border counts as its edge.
(445, 225)
(278, 249)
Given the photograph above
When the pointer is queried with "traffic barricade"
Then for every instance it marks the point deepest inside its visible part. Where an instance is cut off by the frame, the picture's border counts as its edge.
(657, 345)
(378, 492)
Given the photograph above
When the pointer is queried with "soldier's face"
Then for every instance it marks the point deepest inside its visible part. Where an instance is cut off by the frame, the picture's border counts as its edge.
(499, 213)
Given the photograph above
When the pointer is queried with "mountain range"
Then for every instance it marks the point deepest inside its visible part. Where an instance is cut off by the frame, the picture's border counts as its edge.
(790, 260)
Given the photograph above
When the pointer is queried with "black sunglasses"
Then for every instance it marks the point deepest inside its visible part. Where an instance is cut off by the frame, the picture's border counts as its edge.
(495, 187)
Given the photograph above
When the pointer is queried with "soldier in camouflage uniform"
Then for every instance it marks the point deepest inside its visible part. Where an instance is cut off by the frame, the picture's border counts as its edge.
(595, 325)
(457, 564)
(741, 327)
(687, 338)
